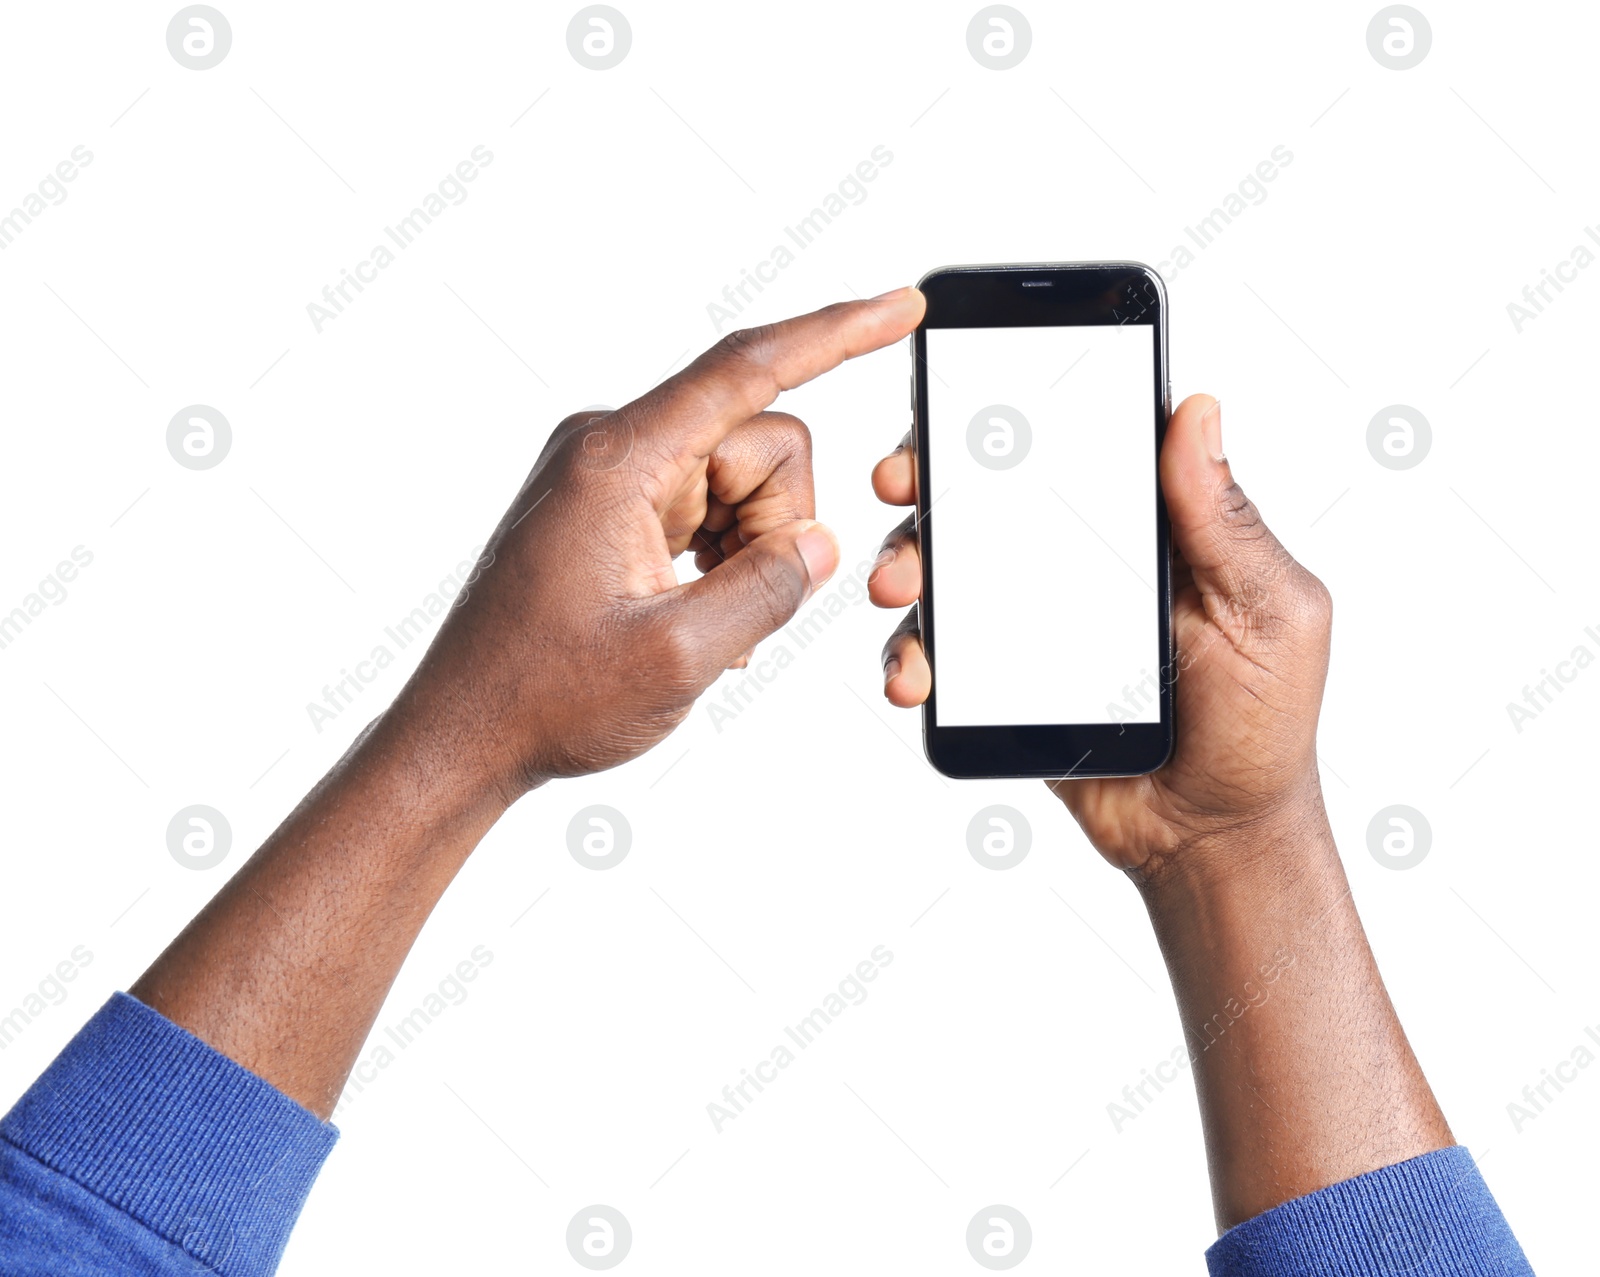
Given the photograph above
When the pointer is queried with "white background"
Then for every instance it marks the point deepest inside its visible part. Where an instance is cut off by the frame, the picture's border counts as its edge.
(1060, 545)
(808, 830)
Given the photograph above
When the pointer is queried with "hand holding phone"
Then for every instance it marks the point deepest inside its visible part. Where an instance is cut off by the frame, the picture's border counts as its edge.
(1251, 630)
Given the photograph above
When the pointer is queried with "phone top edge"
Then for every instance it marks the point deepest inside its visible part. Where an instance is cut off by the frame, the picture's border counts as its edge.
(992, 268)
(943, 284)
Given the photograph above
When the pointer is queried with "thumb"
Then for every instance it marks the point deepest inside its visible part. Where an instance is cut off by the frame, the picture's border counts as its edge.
(748, 596)
(1216, 528)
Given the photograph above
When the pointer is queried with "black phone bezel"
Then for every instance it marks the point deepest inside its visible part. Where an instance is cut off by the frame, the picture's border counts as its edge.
(1044, 295)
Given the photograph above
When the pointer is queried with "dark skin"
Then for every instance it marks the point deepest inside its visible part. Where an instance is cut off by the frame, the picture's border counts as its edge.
(577, 649)
(1307, 1078)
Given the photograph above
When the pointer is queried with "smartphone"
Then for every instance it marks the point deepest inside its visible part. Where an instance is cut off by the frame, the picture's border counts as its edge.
(1040, 398)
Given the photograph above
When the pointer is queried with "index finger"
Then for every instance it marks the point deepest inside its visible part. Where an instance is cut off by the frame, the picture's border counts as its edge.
(686, 416)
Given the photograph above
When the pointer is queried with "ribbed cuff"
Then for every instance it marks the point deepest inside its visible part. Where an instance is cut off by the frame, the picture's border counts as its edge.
(170, 1131)
(1431, 1216)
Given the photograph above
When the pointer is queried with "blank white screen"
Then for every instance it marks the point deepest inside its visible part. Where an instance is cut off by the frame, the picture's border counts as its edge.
(1044, 571)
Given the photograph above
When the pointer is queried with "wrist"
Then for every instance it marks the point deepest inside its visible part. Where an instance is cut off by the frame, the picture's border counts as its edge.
(1237, 896)
(1243, 849)
(432, 776)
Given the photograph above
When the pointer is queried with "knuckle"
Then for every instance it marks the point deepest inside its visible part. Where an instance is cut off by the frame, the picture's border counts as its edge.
(895, 644)
(675, 654)
(901, 535)
(592, 442)
(573, 428)
(1258, 557)
(575, 421)
(777, 584)
(907, 634)
(792, 434)
(748, 345)
(1316, 600)
(1238, 513)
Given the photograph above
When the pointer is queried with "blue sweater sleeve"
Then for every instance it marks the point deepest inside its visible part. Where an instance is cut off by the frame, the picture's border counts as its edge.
(141, 1150)
(1431, 1216)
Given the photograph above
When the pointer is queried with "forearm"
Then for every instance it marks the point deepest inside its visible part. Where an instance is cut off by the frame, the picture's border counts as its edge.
(572, 649)
(1305, 1076)
(286, 968)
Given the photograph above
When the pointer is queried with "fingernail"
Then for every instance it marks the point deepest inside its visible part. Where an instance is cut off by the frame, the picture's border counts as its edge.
(1211, 431)
(891, 667)
(884, 559)
(892, 294)
(820, 553)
